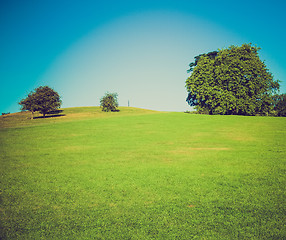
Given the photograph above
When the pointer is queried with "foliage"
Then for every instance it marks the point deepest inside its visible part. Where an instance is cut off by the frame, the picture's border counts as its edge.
(109, 102)
(5, 113)
(211, 55)
(231, 81)
(43, 99)
(29, 104)
(279, 103)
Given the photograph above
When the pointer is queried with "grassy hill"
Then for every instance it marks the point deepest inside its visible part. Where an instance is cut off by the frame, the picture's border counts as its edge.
(140, 174)
(20, 119)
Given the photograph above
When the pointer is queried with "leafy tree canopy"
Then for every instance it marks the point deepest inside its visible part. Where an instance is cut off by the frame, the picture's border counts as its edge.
(211, 55)
(43, 99)
(279, 103)
(231, 81)
(109, 102)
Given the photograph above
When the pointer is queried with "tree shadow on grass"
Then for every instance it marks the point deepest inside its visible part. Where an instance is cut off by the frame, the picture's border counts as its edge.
(52, 114)
(55, 112)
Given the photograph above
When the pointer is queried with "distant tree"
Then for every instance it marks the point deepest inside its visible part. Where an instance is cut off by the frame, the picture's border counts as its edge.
(279, 105)
(43, 99)
(231, 81)
(109, 102)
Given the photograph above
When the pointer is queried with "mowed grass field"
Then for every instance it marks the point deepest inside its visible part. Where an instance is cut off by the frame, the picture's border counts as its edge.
(139, 174)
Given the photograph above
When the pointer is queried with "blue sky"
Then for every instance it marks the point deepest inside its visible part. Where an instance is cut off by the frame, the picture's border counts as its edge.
(139, 49)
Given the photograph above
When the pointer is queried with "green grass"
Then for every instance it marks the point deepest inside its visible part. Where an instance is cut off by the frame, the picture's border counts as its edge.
(140, 174)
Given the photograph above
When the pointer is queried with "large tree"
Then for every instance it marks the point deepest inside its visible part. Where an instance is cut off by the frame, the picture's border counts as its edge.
(231, 81)
(43, 99)
(109, 102)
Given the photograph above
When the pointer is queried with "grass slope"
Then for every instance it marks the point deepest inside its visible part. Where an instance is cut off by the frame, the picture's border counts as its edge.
(138, 174)
(21, 119)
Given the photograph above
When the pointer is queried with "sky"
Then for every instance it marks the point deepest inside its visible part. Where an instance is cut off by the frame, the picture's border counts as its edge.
(139, 49)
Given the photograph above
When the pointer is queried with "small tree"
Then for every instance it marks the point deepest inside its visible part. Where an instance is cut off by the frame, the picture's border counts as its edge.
(43, 99)
(109, 102)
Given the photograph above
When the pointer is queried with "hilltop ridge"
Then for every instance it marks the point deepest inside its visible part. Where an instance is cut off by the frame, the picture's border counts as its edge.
(19, 119)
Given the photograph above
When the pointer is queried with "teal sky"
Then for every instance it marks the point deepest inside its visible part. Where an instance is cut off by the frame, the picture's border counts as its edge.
(139, 49)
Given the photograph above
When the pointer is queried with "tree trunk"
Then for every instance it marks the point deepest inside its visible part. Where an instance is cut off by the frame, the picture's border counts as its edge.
(32, 115)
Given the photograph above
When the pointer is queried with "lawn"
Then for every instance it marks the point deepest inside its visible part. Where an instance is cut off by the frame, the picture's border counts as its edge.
(139, 174)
